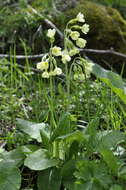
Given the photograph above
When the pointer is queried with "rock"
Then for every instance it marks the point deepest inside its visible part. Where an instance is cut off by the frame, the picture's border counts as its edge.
(107, 27)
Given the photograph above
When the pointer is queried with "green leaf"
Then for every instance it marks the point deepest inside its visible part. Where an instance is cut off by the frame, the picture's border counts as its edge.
(63, 126)
(111, 160)
(50, 178)
(27, 149)
(30, 128)
(15, 157)
(92, 127)
(92, 174)
(67, 172)
(91, 132)
(116, 187)
(87, 186)
(10, 178)
(45, 136)
(113, 80)
(74, 136)
(110, 140)
(39, 160)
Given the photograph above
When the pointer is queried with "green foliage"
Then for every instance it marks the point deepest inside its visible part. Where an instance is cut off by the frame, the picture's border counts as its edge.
(10, 177)
(71, 141)
(51, 179)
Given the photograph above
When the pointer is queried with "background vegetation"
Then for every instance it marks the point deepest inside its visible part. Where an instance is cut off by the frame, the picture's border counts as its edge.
(91, 120)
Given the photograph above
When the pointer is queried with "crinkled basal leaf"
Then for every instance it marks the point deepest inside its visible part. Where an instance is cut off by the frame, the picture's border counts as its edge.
(10, 178)
(50, 178)
(111, 160)
(67, 172)
(39, 160)
(116, 187)
(27, 149)
(74, 136)
(113, 80)
(15, 157)
(90, 173)
(63, 127)
(45, 136)
(30, 128)
(110, 140)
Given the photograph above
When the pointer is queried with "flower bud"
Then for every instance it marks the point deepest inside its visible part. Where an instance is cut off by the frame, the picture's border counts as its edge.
(80, 17)
(51, 33)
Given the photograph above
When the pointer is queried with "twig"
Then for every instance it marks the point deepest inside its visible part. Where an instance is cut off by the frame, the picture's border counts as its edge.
(23, 67)
(22, 56)
(109, 51)
(93, 51)
(48, 22)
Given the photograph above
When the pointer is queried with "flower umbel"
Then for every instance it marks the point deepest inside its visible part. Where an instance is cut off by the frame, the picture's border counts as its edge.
(56, 51)
(80, 17)
(51, 33)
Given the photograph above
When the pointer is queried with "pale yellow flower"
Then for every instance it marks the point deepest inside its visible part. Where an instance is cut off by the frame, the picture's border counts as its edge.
(81, 42)
(73, 51)
(65, 57)
(56, 51)
(85, 28)
(74, 35)
(51, 33)
(80, 17)
(88, 66)
(57, 71)
(44, 65)
(45, 74)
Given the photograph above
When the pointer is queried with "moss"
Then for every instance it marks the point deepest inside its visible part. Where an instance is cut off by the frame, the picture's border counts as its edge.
(107, 27)
(106, 24)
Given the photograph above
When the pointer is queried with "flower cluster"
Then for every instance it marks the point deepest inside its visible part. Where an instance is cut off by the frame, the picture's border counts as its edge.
(83, 69)
(75, 35)
(72, 41)
(44, 66)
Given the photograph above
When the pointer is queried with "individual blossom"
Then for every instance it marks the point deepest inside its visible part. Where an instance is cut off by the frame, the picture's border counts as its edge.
(57, 71)
(73, 51)
(80, 17)
(51, 33)
(81, 42)
(43, 65)
(88, 66)
(74, 35)
(65, 57)
(45, 74)
(85, 28)
(56, 51)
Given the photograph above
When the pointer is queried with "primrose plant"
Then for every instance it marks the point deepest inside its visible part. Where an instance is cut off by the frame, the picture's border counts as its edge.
(62, 156)
(72, 43)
